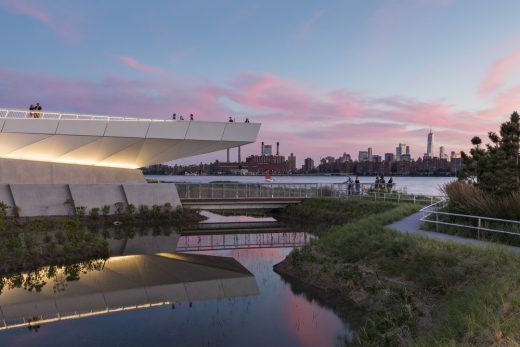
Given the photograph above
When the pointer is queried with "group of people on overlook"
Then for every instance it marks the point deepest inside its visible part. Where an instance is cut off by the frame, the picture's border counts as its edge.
(355, 187)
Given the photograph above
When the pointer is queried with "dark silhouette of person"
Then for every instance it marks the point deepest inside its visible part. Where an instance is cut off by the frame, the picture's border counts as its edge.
(181, 118)
(247, 120)
(191, 116)
(174, 116)
(230, 119)
(31, 108)
(38, 107)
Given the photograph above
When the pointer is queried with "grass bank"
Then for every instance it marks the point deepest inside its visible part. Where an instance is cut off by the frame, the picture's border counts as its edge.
(27, 244)
(411, 290)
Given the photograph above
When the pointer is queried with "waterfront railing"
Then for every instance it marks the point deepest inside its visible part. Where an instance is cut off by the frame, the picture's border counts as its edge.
(434, 214)
(286, 190)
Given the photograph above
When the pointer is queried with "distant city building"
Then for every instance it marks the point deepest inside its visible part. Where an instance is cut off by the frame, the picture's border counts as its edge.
(408, 150)
(442, 153)
(308, 164)
(268, 150)
(369, 154)
(330, 160)
(363, 156)
(406, 157)
(376, 158)
(291, 163)
(454, 155)
(430, 145)
(345, 158)
(400, 150)
(389, 157)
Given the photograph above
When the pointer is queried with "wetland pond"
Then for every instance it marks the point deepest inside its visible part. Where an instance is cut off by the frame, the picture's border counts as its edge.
(157, 291)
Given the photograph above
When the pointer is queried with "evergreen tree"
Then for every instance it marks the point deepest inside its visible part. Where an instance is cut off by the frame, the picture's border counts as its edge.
(495, 168)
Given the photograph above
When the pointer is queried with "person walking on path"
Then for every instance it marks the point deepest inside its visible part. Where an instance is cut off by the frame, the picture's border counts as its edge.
(349, 185)
(357, 185)
(390, 184)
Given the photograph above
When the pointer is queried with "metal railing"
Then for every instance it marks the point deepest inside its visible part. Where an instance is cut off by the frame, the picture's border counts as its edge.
(274, 190)
(242, 241)
(398, 197)
(432, 215)
(22, 114)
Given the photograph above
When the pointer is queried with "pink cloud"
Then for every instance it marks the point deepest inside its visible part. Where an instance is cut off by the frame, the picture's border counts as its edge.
(135, 65)
(64, 28)
(499, 71)
(307, 121)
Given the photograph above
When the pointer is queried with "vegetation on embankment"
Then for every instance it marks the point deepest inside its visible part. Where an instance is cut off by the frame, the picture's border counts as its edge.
(318, 214)
(26, 244)
(412, 290)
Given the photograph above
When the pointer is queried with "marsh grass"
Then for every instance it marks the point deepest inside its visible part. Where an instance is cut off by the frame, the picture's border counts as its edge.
(466, 198)
(414, 290)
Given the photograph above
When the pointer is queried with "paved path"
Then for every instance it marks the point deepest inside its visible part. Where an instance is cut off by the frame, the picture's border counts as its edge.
(412, 225)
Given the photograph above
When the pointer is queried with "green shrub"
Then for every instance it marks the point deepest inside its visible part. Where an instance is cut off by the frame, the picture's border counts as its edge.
(80, 211)
(119, 206)
(94, 213)
(131, 209)
(106, 210)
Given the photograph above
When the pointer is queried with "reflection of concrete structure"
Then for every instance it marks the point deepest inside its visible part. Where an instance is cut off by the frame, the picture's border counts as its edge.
(126, 283)
(93, 159)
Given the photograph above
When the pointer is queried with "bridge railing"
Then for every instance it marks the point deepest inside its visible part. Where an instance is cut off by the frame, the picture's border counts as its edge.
(278, 190)
(242, 241)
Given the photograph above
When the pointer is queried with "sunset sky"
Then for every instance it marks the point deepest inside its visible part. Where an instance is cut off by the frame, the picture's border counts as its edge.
(323, 77)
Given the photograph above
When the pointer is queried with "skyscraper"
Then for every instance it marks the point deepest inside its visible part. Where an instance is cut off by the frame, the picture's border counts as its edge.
(430, 145)
(400, 150)
(442, 153)
(308, 164)
(291, 162)
(369, 154)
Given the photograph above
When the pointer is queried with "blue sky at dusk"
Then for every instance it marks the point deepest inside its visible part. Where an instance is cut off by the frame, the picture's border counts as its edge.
(323, 77)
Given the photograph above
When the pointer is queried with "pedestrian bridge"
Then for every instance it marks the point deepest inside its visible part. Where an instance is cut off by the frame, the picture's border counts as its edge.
(232, 196)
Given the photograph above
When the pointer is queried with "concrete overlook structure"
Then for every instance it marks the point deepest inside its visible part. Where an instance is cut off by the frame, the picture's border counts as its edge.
(47, 158)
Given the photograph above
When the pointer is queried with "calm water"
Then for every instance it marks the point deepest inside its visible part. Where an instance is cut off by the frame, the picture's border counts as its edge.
(275, 317)
(415, 185)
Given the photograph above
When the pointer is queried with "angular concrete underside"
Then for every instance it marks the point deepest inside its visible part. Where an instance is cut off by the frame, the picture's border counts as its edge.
(117, 143)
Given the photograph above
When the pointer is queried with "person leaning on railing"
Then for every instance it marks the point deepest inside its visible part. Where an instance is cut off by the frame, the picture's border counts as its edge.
(38, 107)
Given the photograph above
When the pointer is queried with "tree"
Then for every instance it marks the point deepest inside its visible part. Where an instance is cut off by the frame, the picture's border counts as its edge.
(495, 168)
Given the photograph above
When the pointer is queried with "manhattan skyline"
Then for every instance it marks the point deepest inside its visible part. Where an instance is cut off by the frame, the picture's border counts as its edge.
(322, 78)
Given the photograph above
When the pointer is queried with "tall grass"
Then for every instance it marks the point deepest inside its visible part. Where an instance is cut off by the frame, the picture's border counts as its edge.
(416, 291)
(465, 198)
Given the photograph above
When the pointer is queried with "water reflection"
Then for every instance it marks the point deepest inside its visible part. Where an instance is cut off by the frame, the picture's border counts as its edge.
(120, 283)
(212, 300)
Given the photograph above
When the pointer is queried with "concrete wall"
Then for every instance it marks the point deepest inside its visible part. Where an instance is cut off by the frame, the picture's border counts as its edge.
(98, 195)
(41, 199)
(151, 194)
(35, 172)
(7, 197)
(49, 199)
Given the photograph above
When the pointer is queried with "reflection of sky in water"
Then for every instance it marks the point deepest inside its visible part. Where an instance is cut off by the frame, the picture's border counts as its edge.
(276, 317)
(217, 218)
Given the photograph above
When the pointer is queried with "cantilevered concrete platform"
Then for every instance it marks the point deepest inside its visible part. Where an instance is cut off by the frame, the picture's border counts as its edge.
(47, 158)
(113, 141)
(126, 283)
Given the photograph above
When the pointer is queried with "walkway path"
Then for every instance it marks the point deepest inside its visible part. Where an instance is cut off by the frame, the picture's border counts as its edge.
(412, 225)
